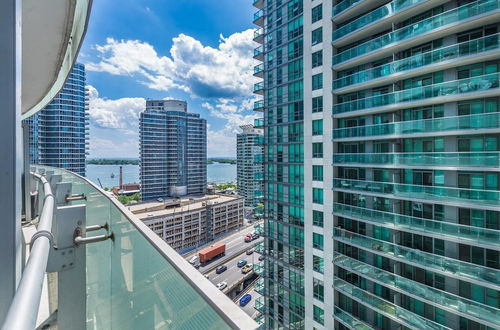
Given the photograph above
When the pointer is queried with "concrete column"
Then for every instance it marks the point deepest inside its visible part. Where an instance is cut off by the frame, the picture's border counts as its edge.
(11, 164)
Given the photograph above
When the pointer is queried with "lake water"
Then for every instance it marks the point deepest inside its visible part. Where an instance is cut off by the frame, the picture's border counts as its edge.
(216, 173)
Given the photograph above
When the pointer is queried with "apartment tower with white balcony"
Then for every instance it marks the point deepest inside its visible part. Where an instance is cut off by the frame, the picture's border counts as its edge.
(381, 163)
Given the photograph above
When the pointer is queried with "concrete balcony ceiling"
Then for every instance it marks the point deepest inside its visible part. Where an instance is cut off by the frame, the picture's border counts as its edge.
(52, 33)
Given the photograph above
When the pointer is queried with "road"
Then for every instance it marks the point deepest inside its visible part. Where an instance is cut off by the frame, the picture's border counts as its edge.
(249, 308)
(233, 273)
(234, 245)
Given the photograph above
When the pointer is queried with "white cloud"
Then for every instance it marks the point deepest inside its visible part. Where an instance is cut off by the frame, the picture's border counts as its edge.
(203, 71)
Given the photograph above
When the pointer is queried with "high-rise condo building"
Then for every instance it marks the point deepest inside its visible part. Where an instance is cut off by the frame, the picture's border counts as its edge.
(381, 163)
(58, 134)
(249, 157)
(173, 148)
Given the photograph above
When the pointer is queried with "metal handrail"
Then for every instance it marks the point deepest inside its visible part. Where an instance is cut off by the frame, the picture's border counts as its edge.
(23, 311)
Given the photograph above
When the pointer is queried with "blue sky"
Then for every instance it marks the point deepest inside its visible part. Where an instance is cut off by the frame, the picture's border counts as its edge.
(194, 50)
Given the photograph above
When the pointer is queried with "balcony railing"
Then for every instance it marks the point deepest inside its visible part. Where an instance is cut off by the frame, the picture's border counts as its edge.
(260, 269)
(419, 159)
(453, 303)
(449, 88)
(395, 312)
(258, 18)
(373, 16)
(447, 266)
(488, 238)
(258, 123)
(436, 193)
(438, 21)
(258, 69)
(258, 4)
(258, 53)
(349, 320)
(259, 140)
(426, 126)
(131, 277)
(258, 35)
(260, 304)
(258, 105)
(258, 87)
(260, 286)
(467, 48)
(343, 6)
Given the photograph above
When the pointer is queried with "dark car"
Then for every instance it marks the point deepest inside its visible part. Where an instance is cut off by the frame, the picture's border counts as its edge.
(255, 235)
(242, 263)
(245, 299)
(261, 258)
(220, 269)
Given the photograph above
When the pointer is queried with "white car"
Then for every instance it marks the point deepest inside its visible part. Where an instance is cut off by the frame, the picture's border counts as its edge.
(221, 285)
(193, 260)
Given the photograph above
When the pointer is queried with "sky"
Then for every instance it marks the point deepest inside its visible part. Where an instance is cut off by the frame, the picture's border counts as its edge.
(194, 50)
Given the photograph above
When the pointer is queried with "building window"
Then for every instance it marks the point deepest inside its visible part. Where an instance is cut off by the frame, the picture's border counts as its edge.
(317, 81)
(318, 264)
(318, 195)
(318, 218)
(318, 289)
(317, 13)
(318, 241)
(317, 36)
(317, 58)
(317, 127)
(317, 173)
(319, 315)
(317, 150)
(317, 104)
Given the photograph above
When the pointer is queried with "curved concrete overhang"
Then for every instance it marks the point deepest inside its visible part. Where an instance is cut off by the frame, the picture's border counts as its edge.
(52, 33)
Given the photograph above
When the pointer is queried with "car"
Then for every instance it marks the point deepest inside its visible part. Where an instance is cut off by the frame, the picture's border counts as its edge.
(241, 263)
(255, 235)
(221, 285)
(246, 268)
(250, 251)
(245, 299)
(221, 269)
(193, 260)
(248, 238)
(206, 276)
(261, 258)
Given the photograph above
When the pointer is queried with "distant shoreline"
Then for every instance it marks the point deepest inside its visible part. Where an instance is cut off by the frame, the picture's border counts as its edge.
(136, 161)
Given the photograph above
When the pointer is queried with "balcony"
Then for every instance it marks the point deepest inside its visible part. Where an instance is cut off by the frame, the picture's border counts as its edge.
(258, 88)
(260, 304)
(487, 238)
(124, 275)
(258, 123)
(450, 91)
(474, 198)
(465, 271)
(379, 19)
(477, 50)
(259, 4)
(260, 286)
(258, 106)
(390, 310)
(259, 247)
(260, 269)
(336, 10)
(349, 320)
(258, 70)
(467, 308)
(459, 125)
(454, 20)
(258, 18)
(258, 53)
(435, 160)
(259, 141)
(261, 321)
(258, 36)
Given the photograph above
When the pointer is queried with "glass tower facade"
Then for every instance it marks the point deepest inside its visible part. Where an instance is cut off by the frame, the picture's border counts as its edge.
(392, 220)
(173, 150)
(59, 133)
(249, 161)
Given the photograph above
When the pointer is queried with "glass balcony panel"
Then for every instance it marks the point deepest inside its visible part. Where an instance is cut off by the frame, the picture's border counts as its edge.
(397, 313)
(258, 51)
(129, 283)
(448, 266)
(343, 6)
(349, 320)
(257, 15)
(467, 48)
(470, 308)
(462, 86)
(373, 16)
(435, 193)
(258, 104)
(448, 230)
(452, 159)
(470, 122)
(260, 304)
(438, 21)
(259, 122)
(258, 68)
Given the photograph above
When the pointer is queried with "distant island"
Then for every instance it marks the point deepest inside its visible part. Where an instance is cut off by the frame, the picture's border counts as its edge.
(103, 161)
